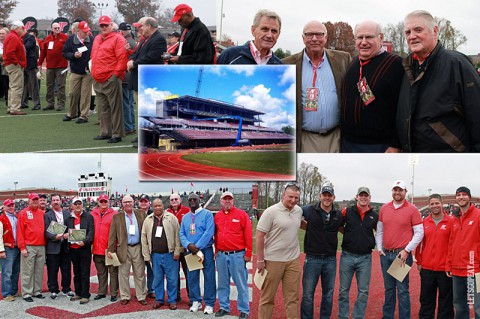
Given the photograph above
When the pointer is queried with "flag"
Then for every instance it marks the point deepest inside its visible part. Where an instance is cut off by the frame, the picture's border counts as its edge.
(191, 184)
(172, 190)
(126, 189)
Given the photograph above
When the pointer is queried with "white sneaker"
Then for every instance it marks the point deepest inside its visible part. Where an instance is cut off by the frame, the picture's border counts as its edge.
(53, 295)
(208, 310)
(196, 306)
(68, 294)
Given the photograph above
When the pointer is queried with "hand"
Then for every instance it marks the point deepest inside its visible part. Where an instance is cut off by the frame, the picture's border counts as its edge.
(130, 65)
(448, 273)
(65, 236)
(176, 257)
(24, 252)
(3, 255)
(247, 259)
(403, 255)
(392, 150)
(194, 249)
(109, 254)
(260, 267)
(381, 253)
(419, 267)
(78, 54)
(174, 59)
(127, 46)
(59, 236)
(81, 243)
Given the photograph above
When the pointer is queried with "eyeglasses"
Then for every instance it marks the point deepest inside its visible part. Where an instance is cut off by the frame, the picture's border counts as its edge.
(294, 185)
(366, 37)
(104, 25)
(77, 203)
(103, 201)
(174, 199)
(310, 35)
(56, 28)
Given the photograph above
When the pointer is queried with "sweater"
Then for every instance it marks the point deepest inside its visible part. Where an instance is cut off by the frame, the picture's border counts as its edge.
(30, 228)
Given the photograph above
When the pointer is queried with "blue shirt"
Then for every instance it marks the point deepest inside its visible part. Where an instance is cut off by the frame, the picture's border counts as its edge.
(132, 239)
(13, 221)
(204, 229)
(327, 116)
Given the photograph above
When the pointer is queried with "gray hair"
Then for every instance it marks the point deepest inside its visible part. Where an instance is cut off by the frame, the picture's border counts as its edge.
(74, 26)
(378, 27)
(268, 14)
(114, 27)
(424, 15)
(151, 22)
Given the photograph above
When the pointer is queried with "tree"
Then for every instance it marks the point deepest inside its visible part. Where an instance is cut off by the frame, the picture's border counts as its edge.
(7, 8)
(165, 20)
(72, 9)
(310, 181)
(340, 37)
(448, 35)
(133, 10)
(280, 54)
(396, 35)
(288, 130)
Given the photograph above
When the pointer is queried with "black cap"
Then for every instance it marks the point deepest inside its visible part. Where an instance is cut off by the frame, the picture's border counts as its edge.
(144, 196)
(327, 189)
(463, 189)
(174, 34)
(124, 26)
(42, 195)
(78, 19)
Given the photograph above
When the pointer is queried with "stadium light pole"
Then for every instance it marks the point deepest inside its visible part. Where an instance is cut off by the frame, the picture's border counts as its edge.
(222, 15)
(15, 185)
(101, 6)
(413, 160)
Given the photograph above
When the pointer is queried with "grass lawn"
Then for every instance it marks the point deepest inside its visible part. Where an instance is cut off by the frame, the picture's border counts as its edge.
(44, 131)
(265, 162)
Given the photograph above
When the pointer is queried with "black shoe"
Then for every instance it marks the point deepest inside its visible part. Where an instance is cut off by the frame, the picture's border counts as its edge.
(36, 108)
(221, 313)
(102, 137)
(39, 296)
(24, 107)
(115, 140)
(67, 118)
(81, 121)
(59, 109)
(48, 108)
(98, 297)
(243, 315)
(113, 298)
(28, 299)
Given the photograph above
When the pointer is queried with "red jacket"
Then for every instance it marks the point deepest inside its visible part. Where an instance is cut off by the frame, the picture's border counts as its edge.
(109, 57)
(432, 252)
(30, 228)
(464, 246)
(54, 56)
(102, 229)
(233, 231)
(182, 211)
(8, 239)
(13, 50)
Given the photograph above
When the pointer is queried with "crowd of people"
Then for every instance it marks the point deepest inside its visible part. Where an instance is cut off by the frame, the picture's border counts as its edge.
(153, 240)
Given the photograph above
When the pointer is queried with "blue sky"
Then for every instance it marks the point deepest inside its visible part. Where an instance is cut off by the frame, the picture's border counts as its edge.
(268, 89)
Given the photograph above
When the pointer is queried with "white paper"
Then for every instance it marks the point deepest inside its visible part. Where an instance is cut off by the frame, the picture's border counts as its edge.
(159, 231)
(131, 229)
(477, 281)
(194, 262)
(114, 261)
(50, 45)
(397, 271)
(179, 52)
(258, 279)
(77, 226)
(82, 49)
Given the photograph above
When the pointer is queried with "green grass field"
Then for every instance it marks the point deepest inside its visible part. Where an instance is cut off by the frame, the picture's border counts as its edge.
(44, 131)
(265, 162)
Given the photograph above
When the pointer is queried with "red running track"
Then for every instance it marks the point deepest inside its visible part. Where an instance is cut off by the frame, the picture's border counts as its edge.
(171, 167)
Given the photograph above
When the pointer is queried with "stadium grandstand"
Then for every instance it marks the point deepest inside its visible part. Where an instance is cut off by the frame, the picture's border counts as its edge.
(190, 122)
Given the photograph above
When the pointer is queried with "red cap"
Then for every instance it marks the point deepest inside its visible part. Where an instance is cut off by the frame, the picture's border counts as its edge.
(180, 10)
(8, 202)
(102, 197)
(136, 24)
(33, 196)
(83, 25)
(104, 20)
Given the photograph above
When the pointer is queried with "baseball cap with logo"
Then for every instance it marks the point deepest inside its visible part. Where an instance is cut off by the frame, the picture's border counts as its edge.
(8, 202)
(327, 189)
(83, 25)
(103, 197)
(400, 184)
(77, 199)
(144, 197)
(124, 26)
(225, 194)
(363, 189)
(180, 10)
(33, 196)
(104, 20)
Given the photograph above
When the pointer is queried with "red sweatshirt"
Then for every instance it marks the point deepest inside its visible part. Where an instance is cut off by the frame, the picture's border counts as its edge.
(30, 228)
(53, 52)
(432, 252)
(233, 231)
(182, 211)
(464, 246)
(13, 50)
(102, 229)
(109, 57)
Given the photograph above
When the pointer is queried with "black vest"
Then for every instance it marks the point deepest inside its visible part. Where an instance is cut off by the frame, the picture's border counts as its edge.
(358, 236)
(321, 237)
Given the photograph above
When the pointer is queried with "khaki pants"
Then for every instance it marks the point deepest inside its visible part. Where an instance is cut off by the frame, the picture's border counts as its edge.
(80, 91)
(110, 107)
(31, 272)
(289, 274)
(316, 143)
(15, 75)
(52, 75)
(135, 261)
(102, 274)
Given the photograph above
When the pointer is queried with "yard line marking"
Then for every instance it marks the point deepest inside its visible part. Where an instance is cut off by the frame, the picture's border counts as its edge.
(83, 149)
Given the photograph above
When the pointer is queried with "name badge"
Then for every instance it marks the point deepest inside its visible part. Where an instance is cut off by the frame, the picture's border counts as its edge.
(159, 231)
(311, 101)
(77, 226)
(29, 215)
(50, 45)
(82, 49)
(193, 230)
(365, 91)
(131, 229)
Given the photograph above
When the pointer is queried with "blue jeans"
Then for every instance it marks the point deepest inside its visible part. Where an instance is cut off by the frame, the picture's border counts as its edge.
(10, 271)
(209, 288)
(464, 293)
(392, 286)
(165, 266)
(150, 277)
(233, 266)
(128, 109)
(361, 266)
(313, 268)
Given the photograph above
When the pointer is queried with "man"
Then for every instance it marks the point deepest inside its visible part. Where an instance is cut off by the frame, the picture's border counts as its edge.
(371, 88)
(265, 31)
(102, 219)
(196, 235)
(124, 239)
(433, 114)
(177, 209)
(31, 242)
(463, 259)
(173, 42)
(196, 45)
(15, 61)
(318, 108)
(144, 204)
(57, 250)
(357, 244)
(128, 108)
(109, 60)
(42, 202)
(278, 252)
(56, 65)
(233, 243)
(11, 263)
(161, 247)
(3, 72)
(431, 256)
(77, 50)
(323, 222)
(399, 231)
(30, 83)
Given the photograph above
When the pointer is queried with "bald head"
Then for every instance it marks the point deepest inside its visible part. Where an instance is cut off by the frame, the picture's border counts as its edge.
(55, 28)
(314, 37)
(368, 39)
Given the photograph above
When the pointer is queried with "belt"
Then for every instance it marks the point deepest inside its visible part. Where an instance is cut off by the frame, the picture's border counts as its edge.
(133, 245)
(323, 133)
(231, 251)
(393, 251)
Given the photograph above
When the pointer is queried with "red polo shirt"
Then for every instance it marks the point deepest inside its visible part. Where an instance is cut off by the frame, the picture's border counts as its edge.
(233, 231)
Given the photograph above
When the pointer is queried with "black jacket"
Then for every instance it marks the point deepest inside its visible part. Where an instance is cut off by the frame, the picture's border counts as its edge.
(148, 51)
(86, 222)
(54, 246)
(197, 46)
(358, 237)
(77, 66)
(31, 50)
(439, 109)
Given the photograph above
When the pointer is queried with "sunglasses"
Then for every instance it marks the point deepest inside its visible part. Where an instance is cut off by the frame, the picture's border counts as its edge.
(77, 203)
(104, 201)
(104, 25)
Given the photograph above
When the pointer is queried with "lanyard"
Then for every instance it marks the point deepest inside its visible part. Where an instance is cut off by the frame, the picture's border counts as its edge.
(184, 33)
(361, 67)
(315, 67)
(193, 218)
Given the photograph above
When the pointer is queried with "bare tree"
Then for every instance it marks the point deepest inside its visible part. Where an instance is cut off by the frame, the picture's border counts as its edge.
(310, 181)
(72, 9)
(448, 35)
(396, 35)
(7, 8)
(133, 10)
(165, 19)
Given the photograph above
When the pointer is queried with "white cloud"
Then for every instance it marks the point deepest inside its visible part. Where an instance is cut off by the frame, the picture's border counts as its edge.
(257, 98)
(289, 75)
(147, 100)
(248, 70)
(290, 93)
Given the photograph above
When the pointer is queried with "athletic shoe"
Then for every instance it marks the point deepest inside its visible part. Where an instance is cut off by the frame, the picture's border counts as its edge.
(221, 313)
(68, 294)
(243, 315)
(208, 310)
(196, 306)
(53, 295)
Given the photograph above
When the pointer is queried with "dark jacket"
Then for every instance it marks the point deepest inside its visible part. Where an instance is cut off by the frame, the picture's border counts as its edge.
(197, 46)
(358, 237)
(77, 66)
(54, 246)
(439, 110)
(31, 50)
(86, 222)
(242, 55)
(148, 51)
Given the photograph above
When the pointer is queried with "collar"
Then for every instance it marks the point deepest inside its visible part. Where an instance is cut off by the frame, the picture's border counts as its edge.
(197, 210)
(258, 56)
(75, 215)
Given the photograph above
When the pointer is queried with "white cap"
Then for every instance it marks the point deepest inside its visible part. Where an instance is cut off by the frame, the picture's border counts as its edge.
(400, 184)
(18, 23)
